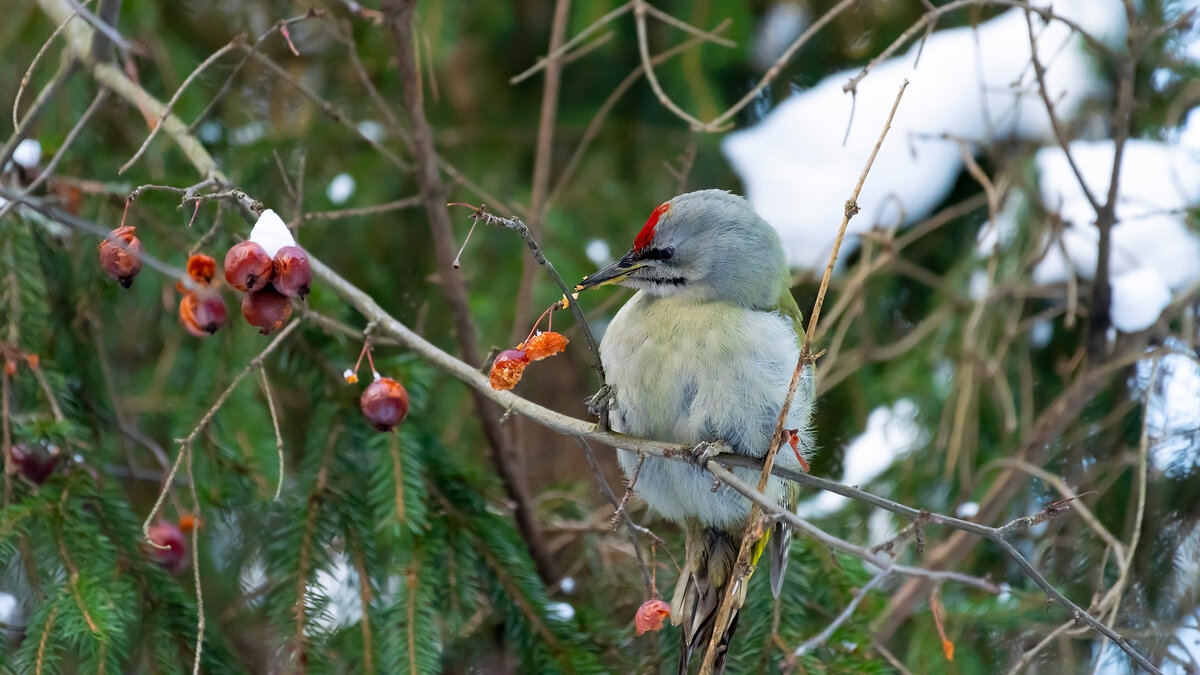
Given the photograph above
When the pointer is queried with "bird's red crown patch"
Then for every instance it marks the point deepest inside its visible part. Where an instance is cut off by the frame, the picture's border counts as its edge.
(646, 236)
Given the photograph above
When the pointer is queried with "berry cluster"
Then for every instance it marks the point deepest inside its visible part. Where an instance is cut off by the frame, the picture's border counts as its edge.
(271, 269)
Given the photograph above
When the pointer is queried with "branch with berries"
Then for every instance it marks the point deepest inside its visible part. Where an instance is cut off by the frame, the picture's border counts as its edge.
(172, 127)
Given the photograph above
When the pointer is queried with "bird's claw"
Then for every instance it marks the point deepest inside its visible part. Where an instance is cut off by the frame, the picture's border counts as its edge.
(707, 450)
(600, 403)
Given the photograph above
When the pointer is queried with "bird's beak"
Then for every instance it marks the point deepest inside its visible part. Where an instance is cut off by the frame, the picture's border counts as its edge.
(613, 274)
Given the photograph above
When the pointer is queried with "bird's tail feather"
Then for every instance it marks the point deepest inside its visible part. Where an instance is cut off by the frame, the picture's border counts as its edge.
(709, 560)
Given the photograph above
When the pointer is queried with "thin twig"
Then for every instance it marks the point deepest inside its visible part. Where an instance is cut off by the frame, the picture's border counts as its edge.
(236, 42)
(225, 86)
(725, 609)
(583, 35)
(515, 224)
(185, 444)
(606, 490)
(542, 159)
(823, 637)
(48, 171)
(406, 203)
(67, 66)
(266, 387)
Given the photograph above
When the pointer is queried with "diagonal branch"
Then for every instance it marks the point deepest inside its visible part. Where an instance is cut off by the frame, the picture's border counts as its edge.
(725, 609)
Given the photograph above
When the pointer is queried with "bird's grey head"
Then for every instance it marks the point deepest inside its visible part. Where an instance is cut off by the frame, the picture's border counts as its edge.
(706, 245)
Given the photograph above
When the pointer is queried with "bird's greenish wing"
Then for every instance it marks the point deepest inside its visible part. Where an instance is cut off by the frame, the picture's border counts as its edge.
(786, 305)
(780, 544)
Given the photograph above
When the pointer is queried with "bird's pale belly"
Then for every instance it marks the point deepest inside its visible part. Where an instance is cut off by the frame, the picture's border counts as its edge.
(688, 372)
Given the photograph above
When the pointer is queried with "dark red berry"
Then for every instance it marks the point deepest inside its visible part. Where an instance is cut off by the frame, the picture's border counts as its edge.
(202, 314)
(248, 267)
(293, 276)
(121, 255)
(385, 403)
(174, 556)
(266, 309)
(36, 463)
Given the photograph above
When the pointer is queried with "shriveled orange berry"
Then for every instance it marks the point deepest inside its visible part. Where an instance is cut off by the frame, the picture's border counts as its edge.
(545, 344)
(201, 268)
(121, 255)
(650, 615)
(188, 522)
(508, 368)
(202, 314)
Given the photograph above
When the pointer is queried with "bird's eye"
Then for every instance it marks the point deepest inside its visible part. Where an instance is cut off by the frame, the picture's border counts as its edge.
(657, 253)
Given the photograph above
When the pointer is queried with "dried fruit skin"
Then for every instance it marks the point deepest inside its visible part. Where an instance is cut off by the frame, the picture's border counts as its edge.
(36, 464)
(293, 276)
(202, 314)
(202, 268)
(650, 615)
(508, 368)
(174, 557)
(121, 261)
(544, 345)
(385, 403)
(248, 267)
(266, 309)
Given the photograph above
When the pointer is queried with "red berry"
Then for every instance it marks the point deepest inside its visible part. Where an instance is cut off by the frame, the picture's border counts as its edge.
(385, 403)
(266, 309)
(202, 313)
(174, 556)
(202, 268)
(36, 464)
(508, 368)
(248, 267)
(650, 615)
(292, 273)
(121, 255)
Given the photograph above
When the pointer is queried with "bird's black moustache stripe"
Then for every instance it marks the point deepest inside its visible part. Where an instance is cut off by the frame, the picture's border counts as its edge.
(668, 281)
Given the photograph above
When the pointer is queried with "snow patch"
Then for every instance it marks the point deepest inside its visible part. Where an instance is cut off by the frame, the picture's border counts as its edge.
(599, 252)
(970, 83)
(1137, 299)
(28, 153)
(892, 432)
(341, 188)
(967, 510)
(371, 129)
(8, 608)
(271, 233)
(560, 611)
(1172, 410)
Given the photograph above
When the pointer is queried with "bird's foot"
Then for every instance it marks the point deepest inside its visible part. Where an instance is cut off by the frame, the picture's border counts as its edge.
(708, 450)
(792, 436)
(600, 403)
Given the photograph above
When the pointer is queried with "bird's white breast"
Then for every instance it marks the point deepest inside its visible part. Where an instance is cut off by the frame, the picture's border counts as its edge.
(688, 372)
